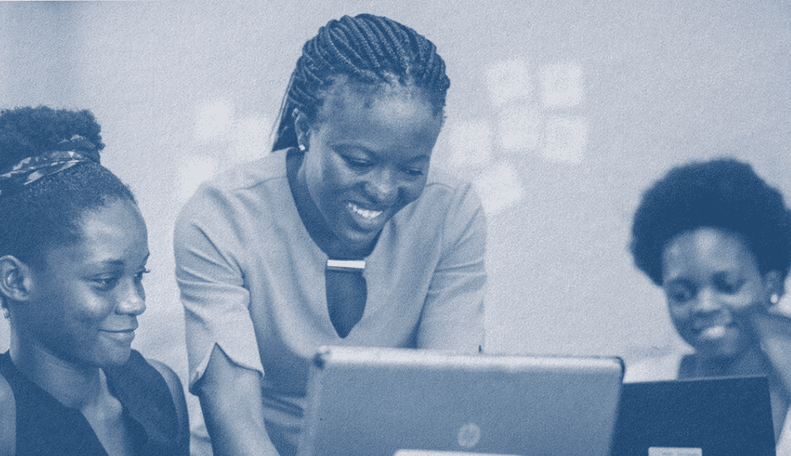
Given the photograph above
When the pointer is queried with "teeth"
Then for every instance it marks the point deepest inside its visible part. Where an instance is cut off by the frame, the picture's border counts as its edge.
(364, 212)
(714, 332)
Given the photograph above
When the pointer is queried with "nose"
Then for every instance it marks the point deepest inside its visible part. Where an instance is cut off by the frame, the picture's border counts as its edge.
(382, 186)
(132, 298)
(706, 302)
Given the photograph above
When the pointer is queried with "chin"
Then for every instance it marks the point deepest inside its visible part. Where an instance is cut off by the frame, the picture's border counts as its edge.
(723, 352)
(359, 240)
(115, 357)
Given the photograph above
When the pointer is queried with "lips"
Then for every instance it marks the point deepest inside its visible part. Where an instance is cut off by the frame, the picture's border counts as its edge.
(717, 335)
(366, 220)
(123, 335)
(366, 214)
(712, 333)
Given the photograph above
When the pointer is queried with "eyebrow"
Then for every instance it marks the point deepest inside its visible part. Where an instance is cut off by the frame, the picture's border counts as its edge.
(421, 158)
(120, 262)
(368, 151)
(677, 281)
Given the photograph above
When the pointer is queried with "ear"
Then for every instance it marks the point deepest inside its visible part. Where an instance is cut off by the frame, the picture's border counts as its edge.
(15, 279)
(302, 128)
(774, 285)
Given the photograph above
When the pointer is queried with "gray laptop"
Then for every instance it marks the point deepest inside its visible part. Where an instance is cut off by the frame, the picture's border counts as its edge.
(401, 402)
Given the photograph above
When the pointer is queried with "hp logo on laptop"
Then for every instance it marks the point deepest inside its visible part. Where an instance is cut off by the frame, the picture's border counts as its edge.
(469, 435)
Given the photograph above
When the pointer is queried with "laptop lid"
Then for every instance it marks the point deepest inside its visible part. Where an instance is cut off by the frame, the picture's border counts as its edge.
(374, 401)
(708, 417)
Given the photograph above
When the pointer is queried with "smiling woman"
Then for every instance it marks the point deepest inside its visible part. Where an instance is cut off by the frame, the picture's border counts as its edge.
(341, 236)
(95, 288)
(717, 239)
(73, 252)
(369, 157)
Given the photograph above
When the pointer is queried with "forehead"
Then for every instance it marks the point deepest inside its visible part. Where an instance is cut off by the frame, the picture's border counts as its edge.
(706, 250)
(345, 94)
(120, 218)
(111, 232)
(384, 115)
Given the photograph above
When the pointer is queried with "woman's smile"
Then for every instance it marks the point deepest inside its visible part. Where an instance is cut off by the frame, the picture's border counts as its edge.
(124, 337)
(367, 156)
(92, 290)
(712, 283)
(364, 213)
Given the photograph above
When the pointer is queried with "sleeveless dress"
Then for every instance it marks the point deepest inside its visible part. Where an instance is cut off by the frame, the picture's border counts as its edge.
(44, 426)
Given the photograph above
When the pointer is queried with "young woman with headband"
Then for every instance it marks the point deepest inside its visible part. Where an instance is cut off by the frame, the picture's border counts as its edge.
(73, 252)
(341, 236)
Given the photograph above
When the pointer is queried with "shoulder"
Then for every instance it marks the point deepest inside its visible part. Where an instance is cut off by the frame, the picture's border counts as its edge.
(7, 418)
(239, 178)
(269, 166)
(454, 206)
(177, 393)
(140, 375)
(447, 215)
(173, 380)
(229, 197)
(445, 197)
(442, 184)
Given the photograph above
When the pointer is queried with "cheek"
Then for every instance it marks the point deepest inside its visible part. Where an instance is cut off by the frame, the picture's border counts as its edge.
(679, 315)
(325, 176)
(751, 298)
(413, 189)
(84, 321)
(85, 309)
(337, 176)
(70, 328)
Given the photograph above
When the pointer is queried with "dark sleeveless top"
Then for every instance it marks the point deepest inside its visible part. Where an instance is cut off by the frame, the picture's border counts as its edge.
(44, 426)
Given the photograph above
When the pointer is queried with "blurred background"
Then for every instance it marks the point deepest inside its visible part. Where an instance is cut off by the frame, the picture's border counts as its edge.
(561, 112)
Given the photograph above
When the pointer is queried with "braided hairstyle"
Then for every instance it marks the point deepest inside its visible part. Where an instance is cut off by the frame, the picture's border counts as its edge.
(721, 193)
(48, 212)
(366, 49)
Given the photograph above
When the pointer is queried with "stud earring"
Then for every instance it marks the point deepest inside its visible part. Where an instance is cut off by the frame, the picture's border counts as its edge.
(774, 299)
(302, 148)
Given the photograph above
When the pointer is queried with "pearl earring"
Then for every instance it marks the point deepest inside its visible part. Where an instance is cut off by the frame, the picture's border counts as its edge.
(775, 298)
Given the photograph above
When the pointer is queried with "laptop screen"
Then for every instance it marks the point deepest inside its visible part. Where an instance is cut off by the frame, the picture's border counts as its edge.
(387, 402)
(706, 417)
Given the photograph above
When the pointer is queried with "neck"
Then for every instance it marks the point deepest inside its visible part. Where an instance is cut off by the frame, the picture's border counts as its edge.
(73, 385)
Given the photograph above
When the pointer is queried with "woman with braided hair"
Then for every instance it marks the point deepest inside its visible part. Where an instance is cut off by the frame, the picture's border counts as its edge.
(73, 251)
(341, 236)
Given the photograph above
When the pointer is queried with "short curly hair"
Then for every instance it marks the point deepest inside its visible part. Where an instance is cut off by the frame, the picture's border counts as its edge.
(720, 193)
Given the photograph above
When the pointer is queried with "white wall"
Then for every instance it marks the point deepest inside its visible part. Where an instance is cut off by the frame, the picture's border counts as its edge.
(562, 112)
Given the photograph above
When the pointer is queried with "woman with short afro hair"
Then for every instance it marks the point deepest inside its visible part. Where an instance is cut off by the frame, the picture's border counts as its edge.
(717, 238)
